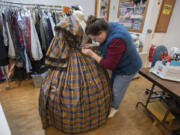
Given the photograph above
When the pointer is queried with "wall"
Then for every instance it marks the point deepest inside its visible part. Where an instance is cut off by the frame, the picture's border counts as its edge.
(172, 37)
(150, 23)
(113, 17)
(169, 39)
(87, 5)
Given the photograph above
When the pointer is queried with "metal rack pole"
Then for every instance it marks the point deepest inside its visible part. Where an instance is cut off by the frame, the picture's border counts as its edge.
(27, 4)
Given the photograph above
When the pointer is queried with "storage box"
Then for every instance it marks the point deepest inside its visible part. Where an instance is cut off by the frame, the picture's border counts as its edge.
(159, 111)
(166, 71)
(38, 79)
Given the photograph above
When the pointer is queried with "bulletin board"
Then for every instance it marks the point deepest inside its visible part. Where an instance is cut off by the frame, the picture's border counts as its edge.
(165, 16)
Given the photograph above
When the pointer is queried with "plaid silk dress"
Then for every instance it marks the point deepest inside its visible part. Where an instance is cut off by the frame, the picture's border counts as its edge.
(76, 93)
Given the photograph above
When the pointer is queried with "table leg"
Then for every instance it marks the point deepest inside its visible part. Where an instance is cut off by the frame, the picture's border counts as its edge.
(151, 92)
(150, 114)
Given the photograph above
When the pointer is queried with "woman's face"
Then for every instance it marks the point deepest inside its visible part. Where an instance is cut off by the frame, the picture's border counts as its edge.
(99, 38)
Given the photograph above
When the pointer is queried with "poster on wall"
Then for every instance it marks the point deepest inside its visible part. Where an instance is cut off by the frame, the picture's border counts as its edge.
(167, 9)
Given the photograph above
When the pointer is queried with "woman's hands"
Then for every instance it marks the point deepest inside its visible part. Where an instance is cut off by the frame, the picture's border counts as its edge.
(87, 46)
(87, 51)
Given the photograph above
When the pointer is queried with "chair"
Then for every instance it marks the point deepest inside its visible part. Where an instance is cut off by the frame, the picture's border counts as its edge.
(159, 52)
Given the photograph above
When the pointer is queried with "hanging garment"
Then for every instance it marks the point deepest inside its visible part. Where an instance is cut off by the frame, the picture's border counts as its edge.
(5, 35)
(3, 48)
(35, 44)
(54, 18)
(47, 29)
(49, 34)
(1, 75)
(43, 37)
(8, 13)
(28, 35)
(18, 40)
(76, 93)
(28, 63)
(52, 23)
(37, 25)
(11, 51)
(22, 28)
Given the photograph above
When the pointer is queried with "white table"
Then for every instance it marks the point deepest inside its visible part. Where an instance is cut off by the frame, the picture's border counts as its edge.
(4, 128)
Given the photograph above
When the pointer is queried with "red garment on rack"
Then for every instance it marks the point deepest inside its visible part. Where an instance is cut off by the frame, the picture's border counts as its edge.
(28, 36)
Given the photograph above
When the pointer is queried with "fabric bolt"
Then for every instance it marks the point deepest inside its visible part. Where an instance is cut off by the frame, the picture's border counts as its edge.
(75, 95)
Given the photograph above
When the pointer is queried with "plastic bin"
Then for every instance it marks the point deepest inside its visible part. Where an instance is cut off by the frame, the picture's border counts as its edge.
(38, 79)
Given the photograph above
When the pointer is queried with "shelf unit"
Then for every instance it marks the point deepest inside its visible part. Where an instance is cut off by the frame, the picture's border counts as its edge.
(131, 16)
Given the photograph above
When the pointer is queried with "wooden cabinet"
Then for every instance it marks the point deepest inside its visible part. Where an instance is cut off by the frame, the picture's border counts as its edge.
(132, 16)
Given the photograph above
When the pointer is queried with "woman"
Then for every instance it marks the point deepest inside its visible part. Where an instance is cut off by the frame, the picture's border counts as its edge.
(117, 54)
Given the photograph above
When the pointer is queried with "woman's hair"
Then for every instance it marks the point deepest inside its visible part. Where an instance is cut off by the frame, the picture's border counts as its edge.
(95, 25)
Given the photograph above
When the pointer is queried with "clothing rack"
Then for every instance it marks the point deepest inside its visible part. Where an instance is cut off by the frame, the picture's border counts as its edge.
(17, 4)
(26, 5)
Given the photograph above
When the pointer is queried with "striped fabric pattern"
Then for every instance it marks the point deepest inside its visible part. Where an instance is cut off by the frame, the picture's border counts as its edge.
(78, 98)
